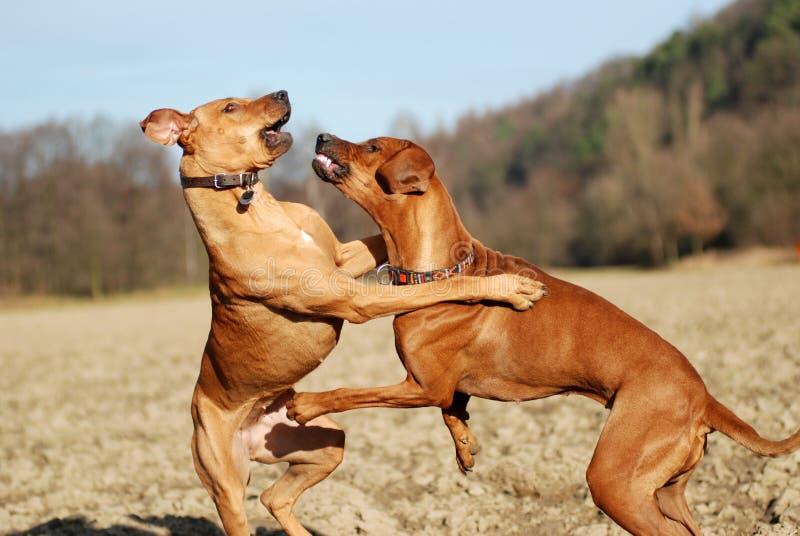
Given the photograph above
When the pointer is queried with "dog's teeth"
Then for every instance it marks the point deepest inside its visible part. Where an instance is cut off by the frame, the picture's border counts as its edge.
(325, 161)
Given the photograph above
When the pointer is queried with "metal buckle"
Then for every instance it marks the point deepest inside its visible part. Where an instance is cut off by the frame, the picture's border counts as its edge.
(378, 270)
(217, 178)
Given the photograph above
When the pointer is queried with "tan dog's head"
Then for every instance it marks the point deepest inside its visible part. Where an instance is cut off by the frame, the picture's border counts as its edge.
(226, 135)
(375, 170)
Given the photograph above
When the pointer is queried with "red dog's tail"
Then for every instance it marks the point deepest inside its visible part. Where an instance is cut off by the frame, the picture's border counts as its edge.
(721, 418)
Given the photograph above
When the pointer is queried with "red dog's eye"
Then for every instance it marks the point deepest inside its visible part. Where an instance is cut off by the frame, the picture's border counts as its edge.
(231, 106)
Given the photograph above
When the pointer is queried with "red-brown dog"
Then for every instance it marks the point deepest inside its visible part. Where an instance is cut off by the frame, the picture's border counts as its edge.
(573, 342)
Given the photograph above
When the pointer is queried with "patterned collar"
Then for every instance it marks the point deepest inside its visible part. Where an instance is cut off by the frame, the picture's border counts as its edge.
(398, 276)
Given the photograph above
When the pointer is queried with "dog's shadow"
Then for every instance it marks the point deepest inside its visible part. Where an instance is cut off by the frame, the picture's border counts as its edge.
(175, 525)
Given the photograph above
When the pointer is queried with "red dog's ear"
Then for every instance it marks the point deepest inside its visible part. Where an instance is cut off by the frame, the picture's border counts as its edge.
(410, 170)
(165, 125)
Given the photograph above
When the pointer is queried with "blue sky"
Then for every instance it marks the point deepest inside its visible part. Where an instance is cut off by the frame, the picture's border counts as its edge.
(350, 66)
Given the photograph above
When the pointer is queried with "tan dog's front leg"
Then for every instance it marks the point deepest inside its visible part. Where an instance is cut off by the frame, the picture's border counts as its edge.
(373, 301)
(335, 294)
(360, 256)
(355, 258)
(306, 282)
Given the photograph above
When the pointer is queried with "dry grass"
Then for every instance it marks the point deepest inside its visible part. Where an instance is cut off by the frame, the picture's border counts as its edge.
(95, 422)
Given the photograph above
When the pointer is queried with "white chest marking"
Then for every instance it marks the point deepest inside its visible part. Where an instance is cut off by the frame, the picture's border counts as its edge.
(306, 236)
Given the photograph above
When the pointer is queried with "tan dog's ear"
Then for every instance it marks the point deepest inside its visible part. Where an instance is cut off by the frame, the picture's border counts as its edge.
(410, 170)
(165, 125)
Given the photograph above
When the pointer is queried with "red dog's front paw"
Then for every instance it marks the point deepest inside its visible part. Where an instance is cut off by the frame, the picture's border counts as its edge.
(301, 409)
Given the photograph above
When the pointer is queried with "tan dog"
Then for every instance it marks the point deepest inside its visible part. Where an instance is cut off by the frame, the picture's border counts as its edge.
(573, 342)
(281, 286)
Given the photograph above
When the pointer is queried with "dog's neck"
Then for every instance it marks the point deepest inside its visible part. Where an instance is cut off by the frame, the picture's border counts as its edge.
(436, 239)
(216, 212)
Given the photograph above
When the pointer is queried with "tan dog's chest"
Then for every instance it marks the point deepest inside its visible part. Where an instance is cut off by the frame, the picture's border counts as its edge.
(271, 348)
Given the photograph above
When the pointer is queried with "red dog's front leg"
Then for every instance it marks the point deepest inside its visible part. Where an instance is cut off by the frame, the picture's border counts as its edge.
(408, 394)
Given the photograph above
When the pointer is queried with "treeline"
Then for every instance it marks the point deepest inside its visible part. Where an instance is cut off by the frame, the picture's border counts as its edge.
(91, 208)
(696, 144)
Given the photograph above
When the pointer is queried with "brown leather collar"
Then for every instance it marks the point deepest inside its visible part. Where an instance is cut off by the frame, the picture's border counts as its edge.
(221, 180)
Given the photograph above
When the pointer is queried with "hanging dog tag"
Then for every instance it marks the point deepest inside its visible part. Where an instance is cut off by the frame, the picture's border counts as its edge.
(247, 197)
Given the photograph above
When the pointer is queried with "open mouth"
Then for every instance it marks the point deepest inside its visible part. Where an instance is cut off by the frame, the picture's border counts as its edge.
(272, 133)
(276, 127)
(328, 169)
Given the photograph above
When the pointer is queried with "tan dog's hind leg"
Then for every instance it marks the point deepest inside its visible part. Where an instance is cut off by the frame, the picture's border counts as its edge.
(313, 451)
(455, 418)
(221, 462)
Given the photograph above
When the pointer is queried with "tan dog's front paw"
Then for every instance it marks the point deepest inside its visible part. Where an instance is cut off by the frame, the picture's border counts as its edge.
(521, 292)
(302, 409)
(535, 289)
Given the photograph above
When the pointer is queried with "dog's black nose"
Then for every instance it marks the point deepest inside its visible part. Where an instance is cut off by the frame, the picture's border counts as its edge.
(324, 138)
(281, 95)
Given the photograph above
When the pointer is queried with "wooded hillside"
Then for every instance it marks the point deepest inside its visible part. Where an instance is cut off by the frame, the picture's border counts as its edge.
(696, 144)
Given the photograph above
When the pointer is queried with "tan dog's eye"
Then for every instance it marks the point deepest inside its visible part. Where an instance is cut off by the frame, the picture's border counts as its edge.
(373, 148)
(231, 106)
